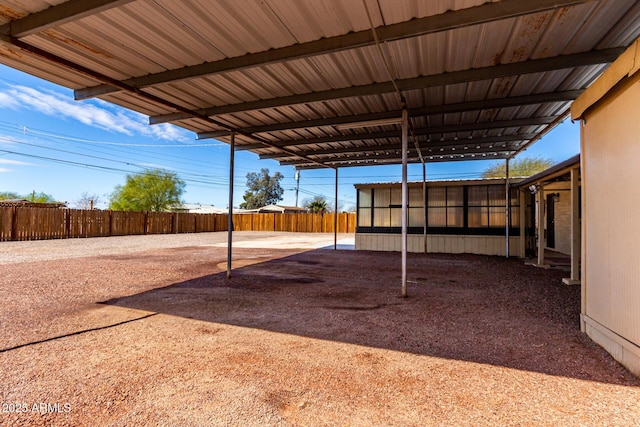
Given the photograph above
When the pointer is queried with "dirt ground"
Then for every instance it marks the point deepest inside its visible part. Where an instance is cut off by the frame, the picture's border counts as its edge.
(296, 337)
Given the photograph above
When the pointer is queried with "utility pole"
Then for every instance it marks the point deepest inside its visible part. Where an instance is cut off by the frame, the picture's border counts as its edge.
(297, 185)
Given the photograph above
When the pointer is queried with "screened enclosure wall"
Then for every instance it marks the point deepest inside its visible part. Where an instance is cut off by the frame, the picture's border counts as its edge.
(471, 208)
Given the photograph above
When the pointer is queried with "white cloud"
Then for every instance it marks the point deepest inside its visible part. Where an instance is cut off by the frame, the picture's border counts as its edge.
(4, 170)
(8, 101)
(14, 162)
(103, 116)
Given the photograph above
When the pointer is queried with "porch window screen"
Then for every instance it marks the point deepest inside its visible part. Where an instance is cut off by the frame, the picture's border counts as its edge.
(486, 207)
(446, 206)
(364, 207)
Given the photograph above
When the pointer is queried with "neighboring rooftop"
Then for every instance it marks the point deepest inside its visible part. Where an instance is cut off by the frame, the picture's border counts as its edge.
(23, 203)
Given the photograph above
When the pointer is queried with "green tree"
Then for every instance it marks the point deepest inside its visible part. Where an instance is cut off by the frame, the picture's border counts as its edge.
(9, 195)
(152, 190)
(32, 197)
(317, 205)
(40, 197)
(523, 167)
(263, 189)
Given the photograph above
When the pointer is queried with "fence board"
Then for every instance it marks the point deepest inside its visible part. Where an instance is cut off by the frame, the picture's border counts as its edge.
(6, 223)
(87, 223)
(159, 222)
(186, 222)
(127, 223)
(29, 223)
(39, 224)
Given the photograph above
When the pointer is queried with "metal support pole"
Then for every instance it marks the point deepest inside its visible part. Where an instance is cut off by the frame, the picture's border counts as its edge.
(297, 185)
(541, 238)
(522, 211)
(424, 202)
(230, 218)
(405, 194)
(575, 227)
(508, 201)
(335, 217)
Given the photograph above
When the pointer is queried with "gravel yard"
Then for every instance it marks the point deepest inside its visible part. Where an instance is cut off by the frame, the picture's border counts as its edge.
(147, 330)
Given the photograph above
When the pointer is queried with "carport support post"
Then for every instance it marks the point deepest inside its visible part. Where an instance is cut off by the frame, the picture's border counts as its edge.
(541, 239)
(230, 216)
(506, 212)
(405, 194)
(575, 227)
(335, 217)
(523, 206)
(424, 202)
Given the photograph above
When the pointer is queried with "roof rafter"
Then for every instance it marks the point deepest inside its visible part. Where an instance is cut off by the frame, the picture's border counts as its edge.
(413, 112)
(398, 146)
(533, 121)
(413, 157)
(57, 15)
(55, 59)
(446, 21)
(443, 79)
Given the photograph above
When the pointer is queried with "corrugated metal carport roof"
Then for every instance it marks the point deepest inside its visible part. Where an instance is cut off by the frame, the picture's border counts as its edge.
(322, 83)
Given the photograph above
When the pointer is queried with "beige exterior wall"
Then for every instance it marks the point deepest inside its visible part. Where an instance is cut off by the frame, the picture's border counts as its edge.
(611, 206)
(482, 245)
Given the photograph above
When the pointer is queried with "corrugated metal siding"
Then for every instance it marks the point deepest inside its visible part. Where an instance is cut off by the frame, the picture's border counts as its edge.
(612, 255)
(145, 36)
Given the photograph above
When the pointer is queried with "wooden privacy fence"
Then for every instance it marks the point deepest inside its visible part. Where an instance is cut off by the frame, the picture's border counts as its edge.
(28, 223)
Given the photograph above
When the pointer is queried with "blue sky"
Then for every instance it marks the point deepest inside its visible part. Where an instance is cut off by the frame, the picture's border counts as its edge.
(50, 143)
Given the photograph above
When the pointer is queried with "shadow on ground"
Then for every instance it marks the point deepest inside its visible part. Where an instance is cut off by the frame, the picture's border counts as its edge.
(465, 307)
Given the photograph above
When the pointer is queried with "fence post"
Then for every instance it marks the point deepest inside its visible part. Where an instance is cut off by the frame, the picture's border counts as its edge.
(110, 223)
(145, 227)
(67, 224)
(14, 223)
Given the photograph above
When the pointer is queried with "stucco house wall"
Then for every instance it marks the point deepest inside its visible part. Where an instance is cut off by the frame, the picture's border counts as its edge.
(610, 138)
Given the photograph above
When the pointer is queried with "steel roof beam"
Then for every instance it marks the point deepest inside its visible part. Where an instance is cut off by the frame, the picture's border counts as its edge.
(57, 15)
(459, 141)
(501, 156)
(516, 123)
(393, 151)
(54, 59)
(416, 27)
(424, 146)
(444, 79)
(413, 158)
(513, 101)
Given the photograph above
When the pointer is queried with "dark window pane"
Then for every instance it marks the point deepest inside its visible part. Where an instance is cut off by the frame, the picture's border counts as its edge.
(455, 217)
(455, 196)
(396, 217)
(478, 217)
(497, 195)
(364, 198)
(416, 198)
(364, 217)
(437, 196)
(416, 217)
(477, 195)
(381, 217)
(381, 198)
(497, 217)
(437, 217)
